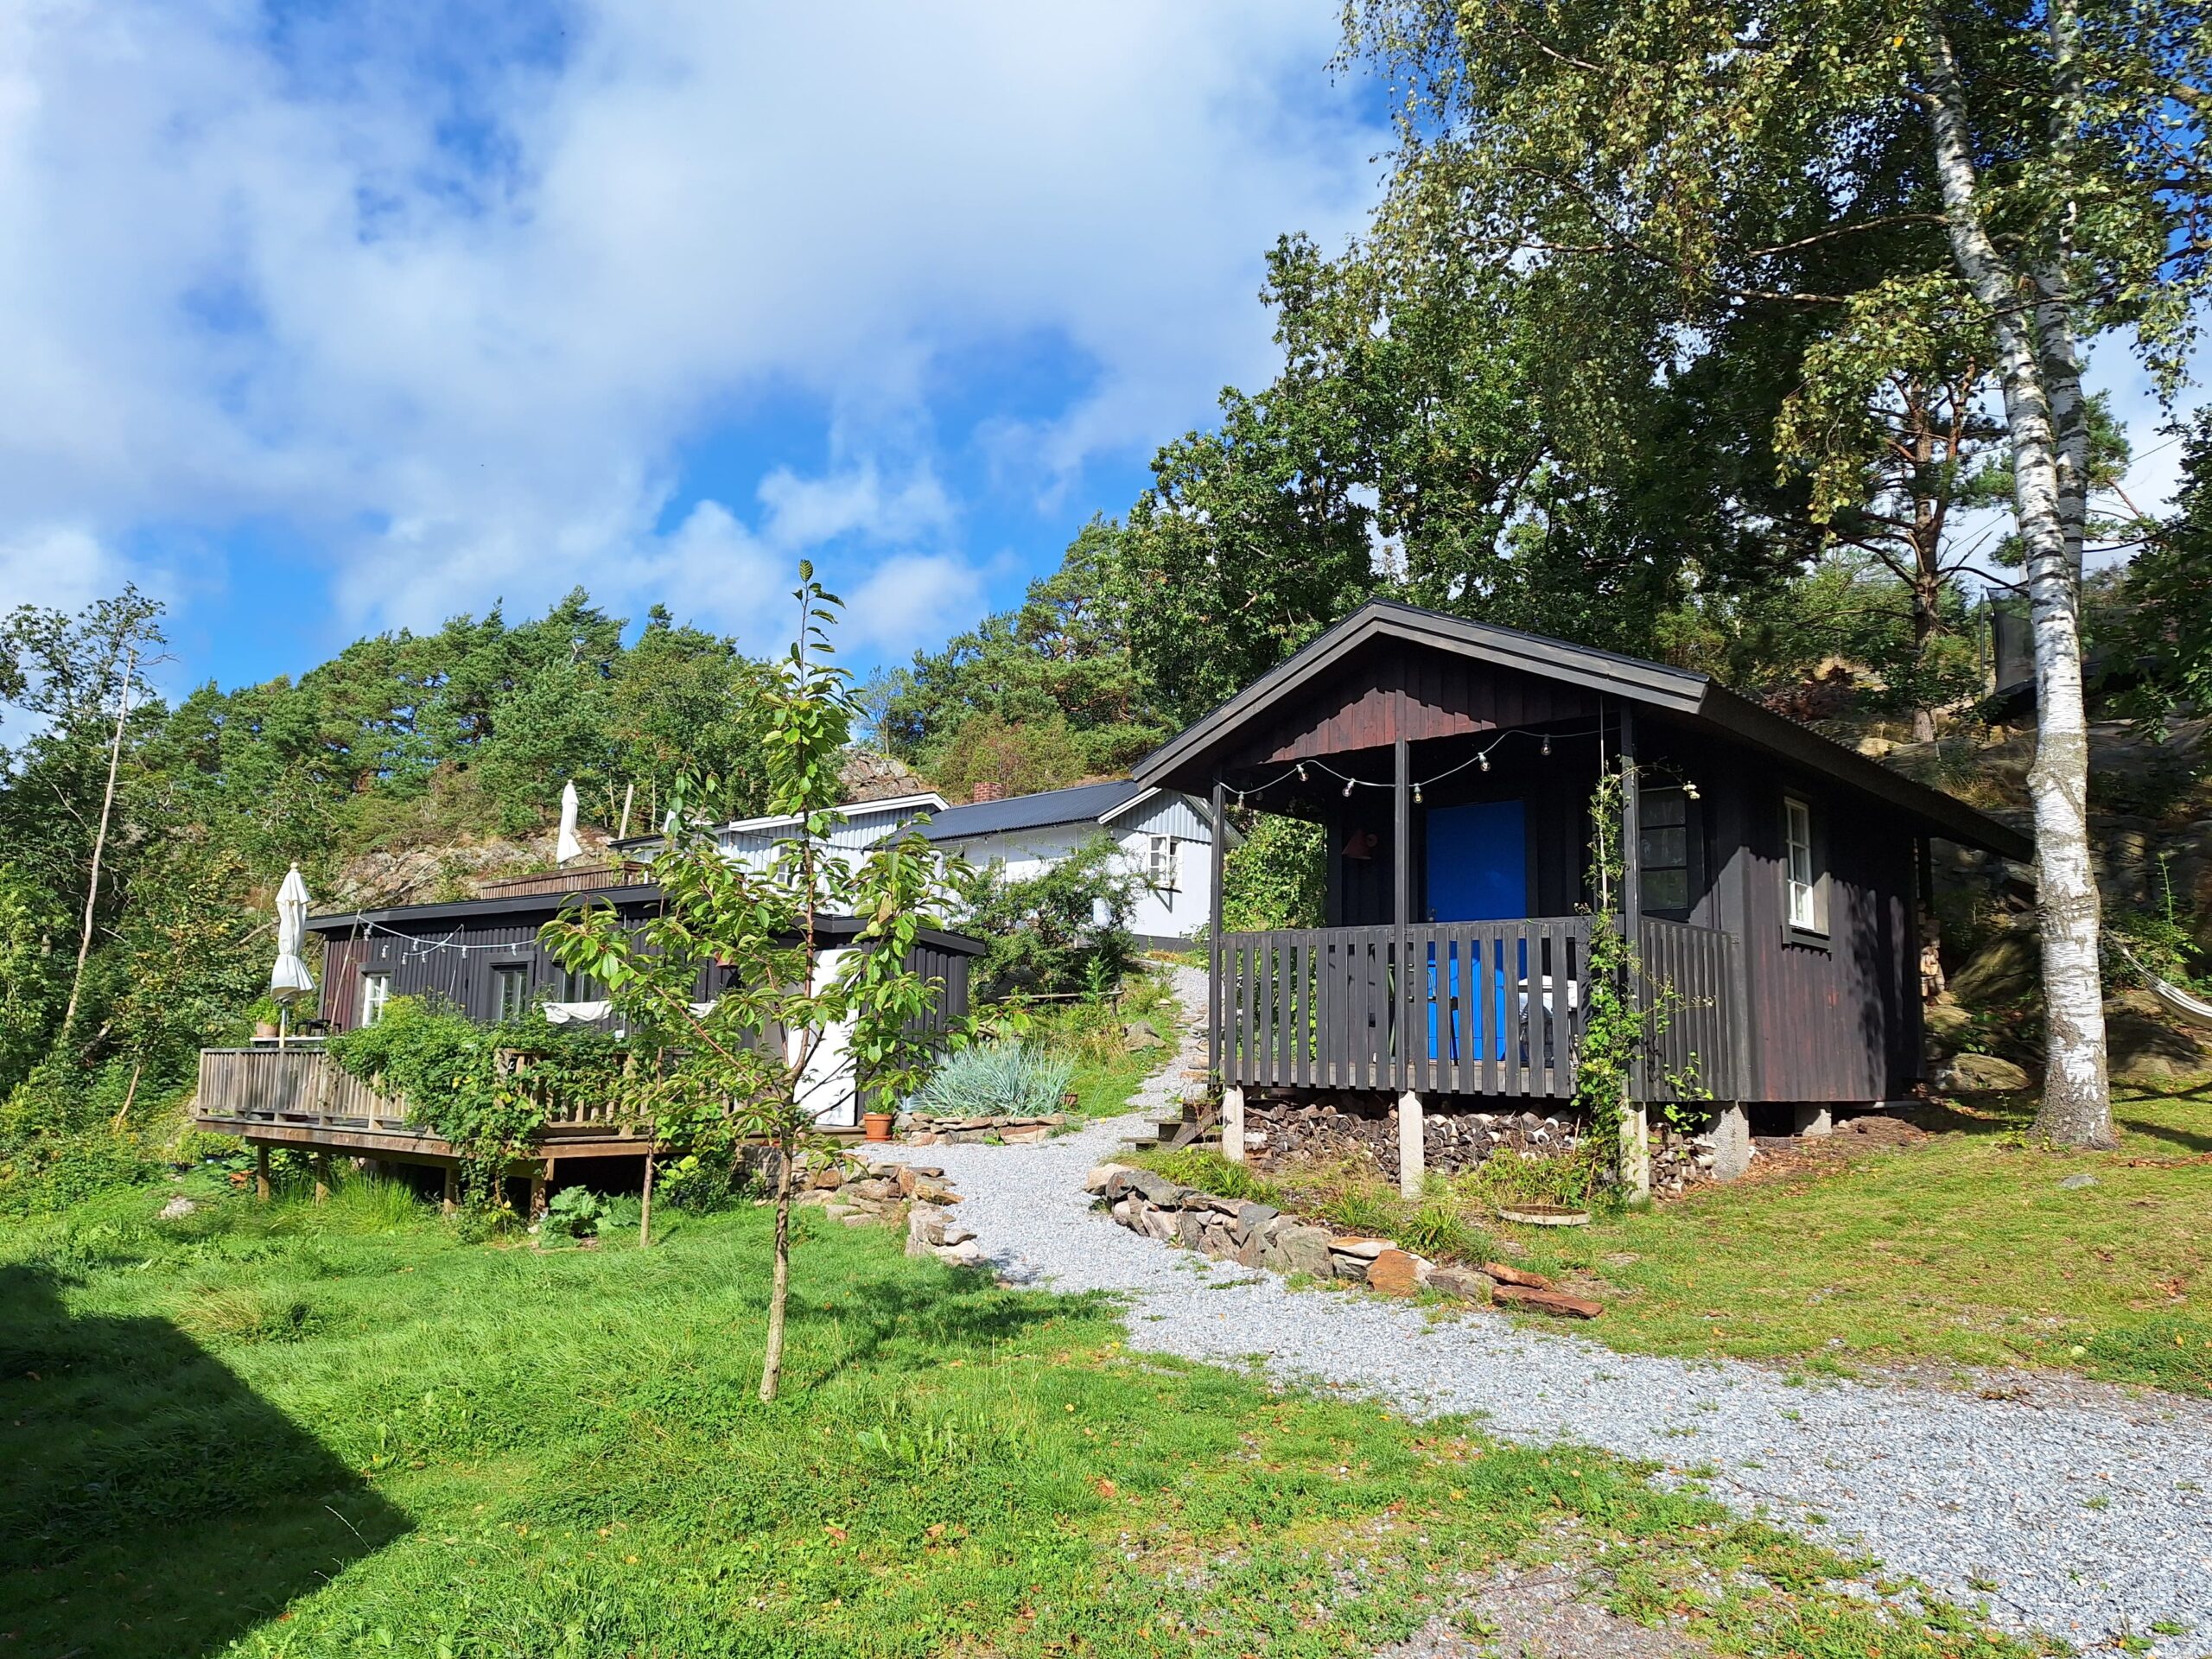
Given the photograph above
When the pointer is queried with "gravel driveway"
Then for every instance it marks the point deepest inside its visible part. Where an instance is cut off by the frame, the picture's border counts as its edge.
(2091, 1522)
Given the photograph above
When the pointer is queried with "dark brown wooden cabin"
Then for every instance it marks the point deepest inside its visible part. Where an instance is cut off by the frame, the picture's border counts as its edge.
(483, 958)
(1773, 887)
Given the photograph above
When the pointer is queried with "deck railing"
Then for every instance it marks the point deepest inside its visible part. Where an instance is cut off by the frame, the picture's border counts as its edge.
(1489, 1008)
(301, 1084)
(1690, 1038)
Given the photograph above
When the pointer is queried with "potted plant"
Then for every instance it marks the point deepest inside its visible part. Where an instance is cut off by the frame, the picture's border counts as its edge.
(875, 1126)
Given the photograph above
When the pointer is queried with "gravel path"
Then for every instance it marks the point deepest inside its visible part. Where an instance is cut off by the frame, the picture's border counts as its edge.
(2091, 1522)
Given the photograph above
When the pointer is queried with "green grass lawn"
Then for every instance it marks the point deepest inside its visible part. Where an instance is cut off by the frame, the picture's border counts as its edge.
(282, 1430)
(1965, 1250)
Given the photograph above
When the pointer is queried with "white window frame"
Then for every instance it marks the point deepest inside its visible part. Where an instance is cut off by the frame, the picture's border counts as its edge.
(376, 991)
(1162, 861)
(1804, 884)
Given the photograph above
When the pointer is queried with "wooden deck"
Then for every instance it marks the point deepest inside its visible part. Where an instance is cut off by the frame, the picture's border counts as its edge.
(297, 1096)
(1488, 1009)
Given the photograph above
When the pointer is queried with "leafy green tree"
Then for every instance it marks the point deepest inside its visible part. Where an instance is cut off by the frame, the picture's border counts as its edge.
(1276, 877)
(1061, 660)
(2165, 637)
(750, 1056)
(1064, 930)
(2043, 165)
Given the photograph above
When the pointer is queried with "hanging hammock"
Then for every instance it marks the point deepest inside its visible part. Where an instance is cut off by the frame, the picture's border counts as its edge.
(2182, 1005)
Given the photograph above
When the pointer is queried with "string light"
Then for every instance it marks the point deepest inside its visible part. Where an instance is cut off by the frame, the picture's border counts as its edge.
(1348, 782)
(1480, 758)
(1416, 794)
(1484, 758)
(1546, 747)
(1301, 771)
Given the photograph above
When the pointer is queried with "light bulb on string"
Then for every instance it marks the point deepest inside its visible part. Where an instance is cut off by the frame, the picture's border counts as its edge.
(1301, 771)
(1483, 759)
(1416, 794)
(1689, 789)
(1546, 747)
(1240, 800)
(1348, 783)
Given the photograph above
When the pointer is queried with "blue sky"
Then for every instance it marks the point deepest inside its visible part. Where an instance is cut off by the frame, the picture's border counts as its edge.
(329, 318)
(326, 318)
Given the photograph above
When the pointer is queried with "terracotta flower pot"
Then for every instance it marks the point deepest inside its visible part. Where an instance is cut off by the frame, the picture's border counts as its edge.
(875, 1126)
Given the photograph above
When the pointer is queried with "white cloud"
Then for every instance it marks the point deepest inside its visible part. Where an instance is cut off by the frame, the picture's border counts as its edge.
(63, 568)
(245, 280)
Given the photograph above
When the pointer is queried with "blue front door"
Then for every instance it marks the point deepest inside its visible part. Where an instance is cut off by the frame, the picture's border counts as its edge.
(1477, 862)
(1477, 871)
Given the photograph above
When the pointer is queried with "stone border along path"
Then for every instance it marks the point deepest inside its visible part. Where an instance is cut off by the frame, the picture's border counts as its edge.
(2091, 1522)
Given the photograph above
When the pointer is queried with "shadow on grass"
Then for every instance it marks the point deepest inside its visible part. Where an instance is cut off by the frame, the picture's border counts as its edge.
(969, 1314)
(153, 1505)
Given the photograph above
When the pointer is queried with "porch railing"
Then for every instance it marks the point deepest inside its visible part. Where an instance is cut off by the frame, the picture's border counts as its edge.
(303, 1085)
(1690, 1035)
(1488, 1008)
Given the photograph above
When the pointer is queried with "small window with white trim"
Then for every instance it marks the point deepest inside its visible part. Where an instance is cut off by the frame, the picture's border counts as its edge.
(511, 989)
(376, 991)
(1160, 863)
(1806, 910)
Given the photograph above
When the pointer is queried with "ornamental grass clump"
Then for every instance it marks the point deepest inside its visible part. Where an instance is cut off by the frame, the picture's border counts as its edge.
(996, 1080)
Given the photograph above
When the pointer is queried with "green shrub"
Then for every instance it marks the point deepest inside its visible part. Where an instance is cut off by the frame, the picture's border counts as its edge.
(1205, 1169)
(50, 1175)
(1064, 933)
(575, 1212)
(996, 1080)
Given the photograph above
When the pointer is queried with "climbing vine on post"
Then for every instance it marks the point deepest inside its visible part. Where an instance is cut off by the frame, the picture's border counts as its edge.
(1611, 1027)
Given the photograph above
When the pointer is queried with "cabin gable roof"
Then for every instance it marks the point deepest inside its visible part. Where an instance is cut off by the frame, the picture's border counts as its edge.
(1305, 705)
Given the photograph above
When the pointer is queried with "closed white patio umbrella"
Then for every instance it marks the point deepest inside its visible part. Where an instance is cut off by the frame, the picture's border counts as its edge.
(566, 846)
(288, 979)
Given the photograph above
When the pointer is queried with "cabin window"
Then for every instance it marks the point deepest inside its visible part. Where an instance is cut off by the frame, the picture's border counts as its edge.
(1160, 863)
(511, 987)
(1806, 907)
(376, 991)
(1663, 851)
(579, 987)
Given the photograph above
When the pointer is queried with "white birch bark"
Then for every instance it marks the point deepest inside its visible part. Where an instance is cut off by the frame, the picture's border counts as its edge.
(2077, 1104)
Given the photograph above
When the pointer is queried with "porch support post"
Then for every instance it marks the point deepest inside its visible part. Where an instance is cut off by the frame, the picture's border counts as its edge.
(1413, 1150)
(261, 1187)
(322, 1178)
(449, 1200)
(1232, 1123)
(1216, 1005)
(1412, 992)
(1636, 1122)
(539, 1175)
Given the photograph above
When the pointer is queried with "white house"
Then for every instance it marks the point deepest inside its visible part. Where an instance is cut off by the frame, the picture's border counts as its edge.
(1164, 839)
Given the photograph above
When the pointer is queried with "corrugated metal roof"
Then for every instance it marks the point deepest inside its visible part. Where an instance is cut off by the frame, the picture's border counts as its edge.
(1083, 803)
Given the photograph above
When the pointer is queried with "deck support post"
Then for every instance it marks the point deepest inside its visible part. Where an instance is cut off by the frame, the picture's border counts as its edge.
(1232, 1123)
(538, 1177)
(1732, 1141)
(322, 1178)
(1636, 1150)
(1216, 1005)
(1815, 1119)
(1413, 1146)
(261, 1187)
(449, 1199)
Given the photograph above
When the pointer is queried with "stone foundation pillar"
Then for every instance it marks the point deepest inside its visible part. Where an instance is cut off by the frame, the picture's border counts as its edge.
(1413, 1149)
(1232, 1124)
(1636, 1149)
(1815, 1119)
(1732, 1141)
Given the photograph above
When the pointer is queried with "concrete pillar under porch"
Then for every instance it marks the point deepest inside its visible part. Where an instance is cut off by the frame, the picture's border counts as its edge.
(1636, 1149)
(1413, 1146)
(1815, 1119)
(449, 1200)
(1232, 1124)
(261, 1184)
(1732, 1141)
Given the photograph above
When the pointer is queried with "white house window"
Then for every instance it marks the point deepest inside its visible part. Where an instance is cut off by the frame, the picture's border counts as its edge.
(1159, 862)
(376, 991)
(1801, 873)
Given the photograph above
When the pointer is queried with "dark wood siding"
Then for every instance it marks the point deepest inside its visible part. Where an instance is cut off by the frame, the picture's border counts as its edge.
(1838, 1020)
(1384, 693)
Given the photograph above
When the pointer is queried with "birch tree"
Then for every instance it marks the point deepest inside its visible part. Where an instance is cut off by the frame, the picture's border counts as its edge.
(2046, 156)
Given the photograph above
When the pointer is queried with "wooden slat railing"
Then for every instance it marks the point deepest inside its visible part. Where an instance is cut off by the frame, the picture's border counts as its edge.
(1690, 1036)
(302, 1084)
(1488, 1007)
